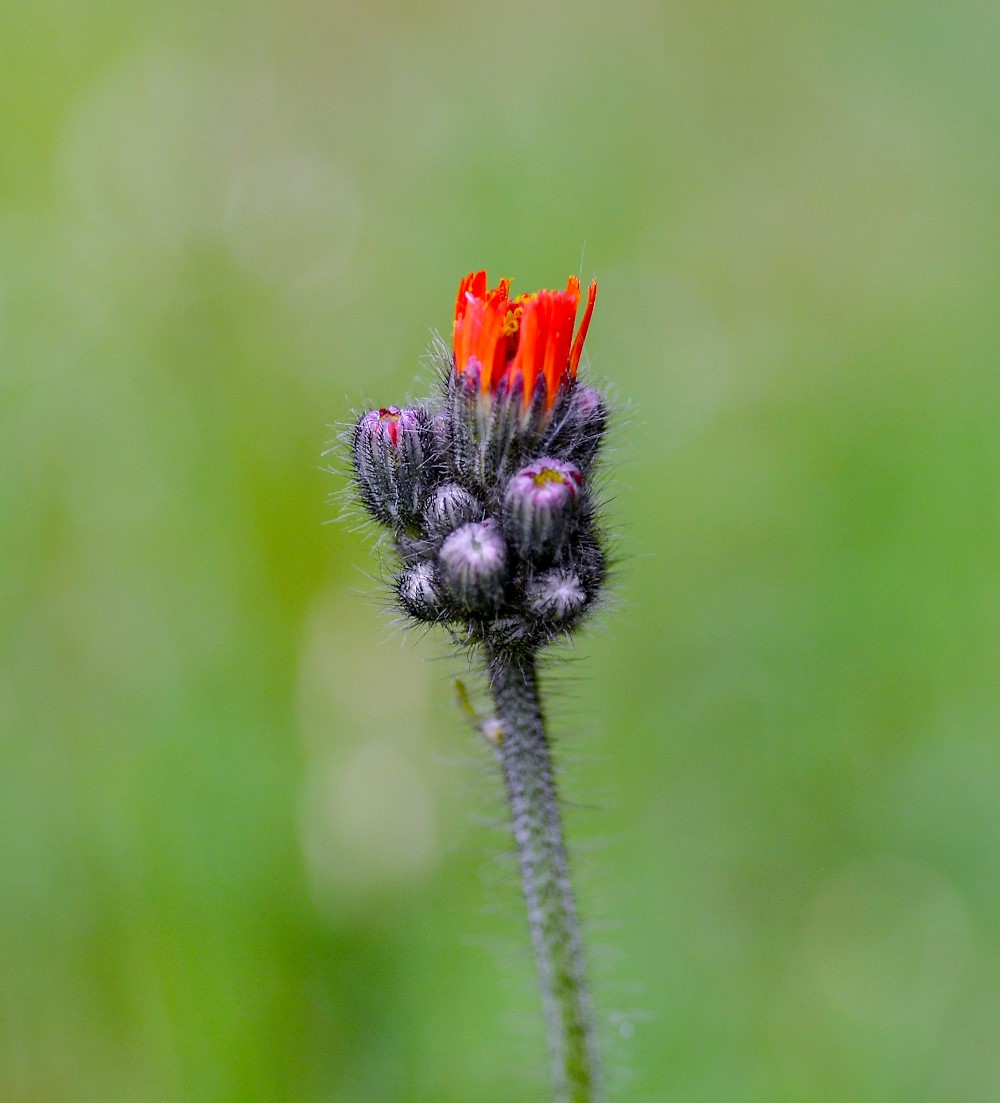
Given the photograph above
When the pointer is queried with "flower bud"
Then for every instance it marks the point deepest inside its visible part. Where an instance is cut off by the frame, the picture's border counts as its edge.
(393, 461)
(579, 433)
(419, 591)
(556, 596)
(473, 565)
(540, 503)
(448, 508)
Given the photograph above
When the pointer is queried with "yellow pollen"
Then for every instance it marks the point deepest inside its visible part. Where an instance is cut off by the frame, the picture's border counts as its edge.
(512, 322)
(547, 475)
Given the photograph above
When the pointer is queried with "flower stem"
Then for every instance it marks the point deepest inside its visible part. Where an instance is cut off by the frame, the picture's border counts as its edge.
(523, 751)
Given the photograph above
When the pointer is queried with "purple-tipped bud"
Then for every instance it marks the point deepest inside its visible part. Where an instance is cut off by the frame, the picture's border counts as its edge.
(540, 504)
(473, 566)
(556, 596)
(393, 458)
(420, 592)
(450, 507)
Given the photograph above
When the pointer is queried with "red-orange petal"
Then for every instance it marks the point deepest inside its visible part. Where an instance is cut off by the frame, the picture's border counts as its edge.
(561, 307)
(581, 333)
(492, 345)
(474, 286)
(478, 329)
(530, 343)
(540, 344)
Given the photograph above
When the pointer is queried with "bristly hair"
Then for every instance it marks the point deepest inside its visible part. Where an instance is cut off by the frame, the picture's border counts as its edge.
(399, 457)
(491, 495)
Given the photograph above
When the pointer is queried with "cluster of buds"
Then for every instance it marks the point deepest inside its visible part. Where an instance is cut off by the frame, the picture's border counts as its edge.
(486, 487)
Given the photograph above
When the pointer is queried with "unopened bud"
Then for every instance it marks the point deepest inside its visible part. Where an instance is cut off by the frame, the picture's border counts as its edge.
(557, 596)
(393, 457)
(419, 591)
(540, 503)
(473, 565)
(448, 508)
(579, 432)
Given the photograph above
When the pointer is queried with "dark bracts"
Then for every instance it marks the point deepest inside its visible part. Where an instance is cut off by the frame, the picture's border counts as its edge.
(487, 491)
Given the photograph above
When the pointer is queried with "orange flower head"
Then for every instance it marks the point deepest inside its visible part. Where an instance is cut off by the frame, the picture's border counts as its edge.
(527, 340)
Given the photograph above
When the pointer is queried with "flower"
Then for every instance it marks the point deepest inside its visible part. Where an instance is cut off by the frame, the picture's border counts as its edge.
(527, 340)
(486, 484)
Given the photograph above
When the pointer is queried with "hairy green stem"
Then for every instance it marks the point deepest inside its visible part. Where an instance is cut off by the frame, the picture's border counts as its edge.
(523, 751)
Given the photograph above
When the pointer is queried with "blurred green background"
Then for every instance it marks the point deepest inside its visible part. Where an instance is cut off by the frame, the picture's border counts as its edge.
(248, 850)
